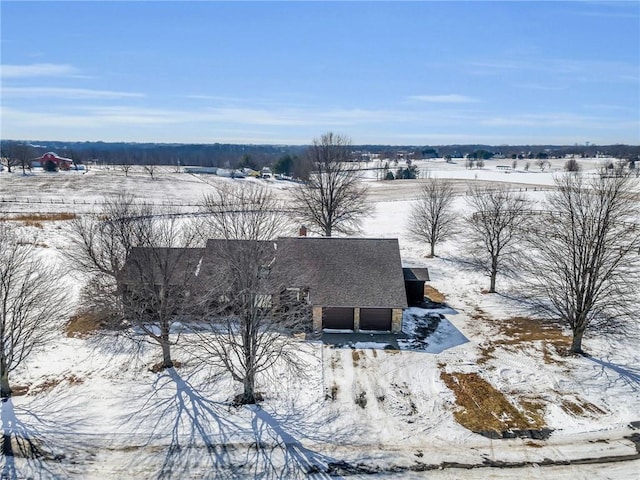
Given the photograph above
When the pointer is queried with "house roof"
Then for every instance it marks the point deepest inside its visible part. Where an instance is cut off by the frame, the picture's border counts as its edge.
(224, 257)
(158, 265)
(346, 272)
(339, 272)
(419, 274)
(237, 253)
(54, 156)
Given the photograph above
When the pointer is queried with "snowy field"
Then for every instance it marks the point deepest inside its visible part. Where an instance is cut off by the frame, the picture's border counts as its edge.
(358, 412)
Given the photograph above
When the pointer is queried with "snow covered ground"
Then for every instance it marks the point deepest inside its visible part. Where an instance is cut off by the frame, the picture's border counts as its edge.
(103, 414)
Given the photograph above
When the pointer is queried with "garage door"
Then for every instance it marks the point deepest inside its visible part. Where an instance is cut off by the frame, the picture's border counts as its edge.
(375, 319)
(337, 318)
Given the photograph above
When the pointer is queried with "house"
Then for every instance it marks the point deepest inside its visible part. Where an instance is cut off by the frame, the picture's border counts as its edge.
(354, 284)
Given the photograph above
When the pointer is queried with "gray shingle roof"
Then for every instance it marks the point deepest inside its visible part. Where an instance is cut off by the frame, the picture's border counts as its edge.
(346, 272)
(340, 272)
(412, 273)
(234, 263)
(172, 266)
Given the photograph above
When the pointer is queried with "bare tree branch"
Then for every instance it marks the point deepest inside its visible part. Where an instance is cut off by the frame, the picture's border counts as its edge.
(432, 218)
(251, 313)
(141, 265)
(495, 230)
(33, 303)
(586, 255)
(333, 199)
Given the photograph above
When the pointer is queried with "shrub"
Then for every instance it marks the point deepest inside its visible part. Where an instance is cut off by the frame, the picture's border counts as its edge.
(572, 165)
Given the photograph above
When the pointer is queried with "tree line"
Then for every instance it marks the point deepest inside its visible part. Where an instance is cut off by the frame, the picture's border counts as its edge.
(286, 159)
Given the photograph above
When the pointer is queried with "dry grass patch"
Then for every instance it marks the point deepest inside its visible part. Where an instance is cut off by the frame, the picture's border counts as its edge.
(159, 367)
(19, 390)
(482, 408)
(486, 353)
(82, 325)
(520, 330)
(479, 314)
(35, 219)
(44, 217)
(517, 331)
(525, 329)
(51, 383)
(580, 408)
(433, 294)
(534, 444)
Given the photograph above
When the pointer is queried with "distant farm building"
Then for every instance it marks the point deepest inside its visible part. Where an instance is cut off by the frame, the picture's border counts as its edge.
(52, 162)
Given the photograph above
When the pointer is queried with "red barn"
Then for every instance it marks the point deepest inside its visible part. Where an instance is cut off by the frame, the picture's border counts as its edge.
(51, 159)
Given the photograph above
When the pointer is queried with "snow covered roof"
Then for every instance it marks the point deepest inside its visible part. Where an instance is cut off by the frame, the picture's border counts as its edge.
(54, 156)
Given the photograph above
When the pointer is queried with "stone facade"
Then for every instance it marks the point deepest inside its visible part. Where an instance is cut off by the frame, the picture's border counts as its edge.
(317, 319)
(396, 320)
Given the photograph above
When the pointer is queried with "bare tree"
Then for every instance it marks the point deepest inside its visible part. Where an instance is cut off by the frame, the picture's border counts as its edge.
(6, 155)
(432, 218)
(586, 254)
(158, 282)
(151, 170)
(125, 167)
(101, 243)
(495, 230)
(542, 163)
(17, 154)
(333, 199)
(251, 312)
(33, 303)
(141, 267)
(572, 165)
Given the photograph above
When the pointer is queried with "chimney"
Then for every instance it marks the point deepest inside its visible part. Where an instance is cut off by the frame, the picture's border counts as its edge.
(303, 231)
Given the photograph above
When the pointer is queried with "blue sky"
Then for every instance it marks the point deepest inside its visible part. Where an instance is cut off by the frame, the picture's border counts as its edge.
(414, 73)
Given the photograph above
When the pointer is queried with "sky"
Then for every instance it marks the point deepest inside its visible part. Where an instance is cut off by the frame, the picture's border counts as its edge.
(398, 73)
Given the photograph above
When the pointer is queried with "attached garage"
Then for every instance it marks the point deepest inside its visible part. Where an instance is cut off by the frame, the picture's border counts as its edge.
(338, 318)
(354, 284)
(375, 319)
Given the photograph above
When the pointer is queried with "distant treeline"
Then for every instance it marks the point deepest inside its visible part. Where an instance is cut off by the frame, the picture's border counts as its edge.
(258, 156)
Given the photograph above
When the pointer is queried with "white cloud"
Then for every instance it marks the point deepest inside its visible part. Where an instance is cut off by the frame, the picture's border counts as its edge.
(451, 98)
(580, 70)
(37, 70)
(557, 120)
(539, 86)
(61, 92)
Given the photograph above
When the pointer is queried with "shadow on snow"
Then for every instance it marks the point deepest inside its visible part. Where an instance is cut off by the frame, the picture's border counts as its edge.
(216, 439)
(41, 441)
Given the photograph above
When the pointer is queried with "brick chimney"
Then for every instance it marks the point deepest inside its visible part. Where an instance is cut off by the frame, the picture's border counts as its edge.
(303, 231)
